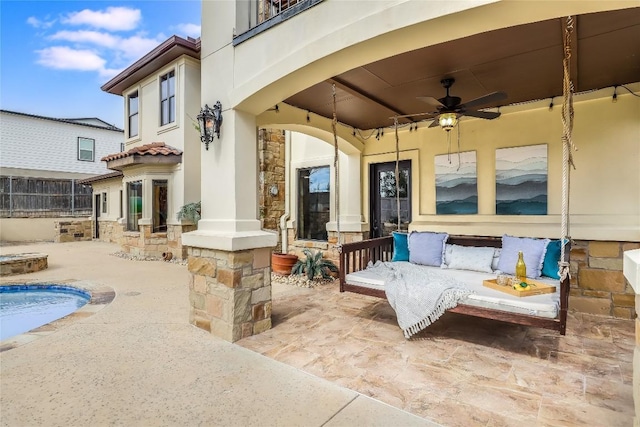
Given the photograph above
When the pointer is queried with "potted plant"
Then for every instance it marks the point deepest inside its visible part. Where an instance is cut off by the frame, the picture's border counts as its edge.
(314, 265)
(282, 263)
(190, 212)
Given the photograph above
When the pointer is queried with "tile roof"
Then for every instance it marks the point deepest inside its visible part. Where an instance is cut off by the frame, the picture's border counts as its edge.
(153, 149)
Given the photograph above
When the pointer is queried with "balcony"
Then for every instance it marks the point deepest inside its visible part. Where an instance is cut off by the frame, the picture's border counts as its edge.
(256, 16)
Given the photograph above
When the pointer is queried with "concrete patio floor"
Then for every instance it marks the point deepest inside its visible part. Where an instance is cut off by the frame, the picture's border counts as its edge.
(138, 362)
(461, 371)
(331, 359)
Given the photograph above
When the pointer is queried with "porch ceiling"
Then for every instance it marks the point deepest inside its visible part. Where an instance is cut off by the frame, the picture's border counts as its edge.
(523, 61)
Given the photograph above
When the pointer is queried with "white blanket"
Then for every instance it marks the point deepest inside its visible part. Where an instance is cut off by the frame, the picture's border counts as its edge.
(418, 296)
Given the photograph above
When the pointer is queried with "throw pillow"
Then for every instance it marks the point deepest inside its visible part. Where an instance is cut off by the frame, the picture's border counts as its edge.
(427, 248)
(496, 258)
(532, 249)
(448, 248)
(400, 247)
(552, 257)
(471, 258)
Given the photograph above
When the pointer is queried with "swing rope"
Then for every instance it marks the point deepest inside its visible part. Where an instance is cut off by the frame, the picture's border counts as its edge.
(334, 124)
(567, 145)
(397, 174)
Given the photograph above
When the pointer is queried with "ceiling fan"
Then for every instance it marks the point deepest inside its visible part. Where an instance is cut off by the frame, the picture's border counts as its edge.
(449, 108)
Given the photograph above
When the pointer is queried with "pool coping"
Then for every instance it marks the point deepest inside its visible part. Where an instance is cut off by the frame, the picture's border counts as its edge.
(101, 296)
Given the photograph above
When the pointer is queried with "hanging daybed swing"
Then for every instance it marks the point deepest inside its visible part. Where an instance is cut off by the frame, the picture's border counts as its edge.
(355, 257)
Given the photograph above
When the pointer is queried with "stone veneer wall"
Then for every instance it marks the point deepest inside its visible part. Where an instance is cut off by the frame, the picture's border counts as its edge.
(598, 285)
(148, 244)
(328, 248)
(230, 292)
(110, 231)
(271, 152)
(73, 231)
(23, 264)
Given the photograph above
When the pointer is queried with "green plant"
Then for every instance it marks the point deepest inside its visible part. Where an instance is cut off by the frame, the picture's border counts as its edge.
(190, 212)
(314, 265)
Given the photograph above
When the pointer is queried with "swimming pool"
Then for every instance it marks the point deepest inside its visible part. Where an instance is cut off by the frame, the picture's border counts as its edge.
(26, 307)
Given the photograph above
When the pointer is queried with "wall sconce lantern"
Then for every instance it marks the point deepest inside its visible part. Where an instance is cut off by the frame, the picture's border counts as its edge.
(210, 122)
(448, 121)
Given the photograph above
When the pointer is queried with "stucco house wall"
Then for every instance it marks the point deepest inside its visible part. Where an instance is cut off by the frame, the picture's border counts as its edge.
(175, 158)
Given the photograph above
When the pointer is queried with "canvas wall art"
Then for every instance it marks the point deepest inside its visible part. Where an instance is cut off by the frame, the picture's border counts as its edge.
(521, 180)
(456, 184)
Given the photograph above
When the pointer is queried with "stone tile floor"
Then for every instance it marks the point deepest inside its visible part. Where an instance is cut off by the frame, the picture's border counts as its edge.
(461, 371)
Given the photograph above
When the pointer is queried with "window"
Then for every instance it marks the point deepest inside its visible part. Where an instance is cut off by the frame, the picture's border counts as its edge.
(104, 202)
(134, 197)
(159, 206)
(121, 147)
(86, 147)
(168, 98)
(132, 113)
(313, 203)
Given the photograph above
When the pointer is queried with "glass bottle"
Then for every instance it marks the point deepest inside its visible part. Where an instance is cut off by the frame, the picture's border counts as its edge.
(521, 268)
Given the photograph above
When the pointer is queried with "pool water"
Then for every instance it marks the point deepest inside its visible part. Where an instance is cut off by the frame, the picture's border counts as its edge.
(23, 308)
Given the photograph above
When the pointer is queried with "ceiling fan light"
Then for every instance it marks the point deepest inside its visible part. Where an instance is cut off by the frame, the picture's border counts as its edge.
(448, 121)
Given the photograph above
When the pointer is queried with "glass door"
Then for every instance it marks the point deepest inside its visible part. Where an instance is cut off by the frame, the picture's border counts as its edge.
(383, 200)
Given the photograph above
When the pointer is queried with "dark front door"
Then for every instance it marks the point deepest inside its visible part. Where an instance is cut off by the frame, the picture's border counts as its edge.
(96, 215)
(384, 203)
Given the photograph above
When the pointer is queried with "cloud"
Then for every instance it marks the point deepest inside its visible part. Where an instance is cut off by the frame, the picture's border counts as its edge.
(94, 37)
(36, 23)
(136, 46)
(191, 30)
(112, 19)
(65, 58)
(131, 47)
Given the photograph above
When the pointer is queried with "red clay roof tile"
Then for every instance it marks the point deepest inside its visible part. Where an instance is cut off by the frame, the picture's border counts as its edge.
(153, 149)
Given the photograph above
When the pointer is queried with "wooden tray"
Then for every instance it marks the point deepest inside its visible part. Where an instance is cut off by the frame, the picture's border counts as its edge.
(539, 288)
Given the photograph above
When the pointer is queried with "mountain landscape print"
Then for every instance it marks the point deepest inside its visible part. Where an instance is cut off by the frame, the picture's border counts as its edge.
(521, 180)
(456, 184)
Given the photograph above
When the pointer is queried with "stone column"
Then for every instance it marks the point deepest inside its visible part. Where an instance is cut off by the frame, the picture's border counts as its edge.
(631, 269)
(230, 292)
(229, 259)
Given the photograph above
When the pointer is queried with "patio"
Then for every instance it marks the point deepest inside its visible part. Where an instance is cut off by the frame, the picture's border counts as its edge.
(461, 371)
(139, 359)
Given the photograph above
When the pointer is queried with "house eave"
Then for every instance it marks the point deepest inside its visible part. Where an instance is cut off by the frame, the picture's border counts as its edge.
(163, 54)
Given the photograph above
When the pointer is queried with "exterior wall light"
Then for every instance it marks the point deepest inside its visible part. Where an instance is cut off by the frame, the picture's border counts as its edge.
(448, 121)
(210, 122)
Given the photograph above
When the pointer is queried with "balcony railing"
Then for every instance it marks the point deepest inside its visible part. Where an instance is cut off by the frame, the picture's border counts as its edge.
(264, 14)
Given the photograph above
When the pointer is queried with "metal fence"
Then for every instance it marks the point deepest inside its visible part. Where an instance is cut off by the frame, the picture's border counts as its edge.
(23, 197)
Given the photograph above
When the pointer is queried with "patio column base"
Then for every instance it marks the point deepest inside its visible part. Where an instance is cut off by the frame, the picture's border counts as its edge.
(230, 291)
(631, 270)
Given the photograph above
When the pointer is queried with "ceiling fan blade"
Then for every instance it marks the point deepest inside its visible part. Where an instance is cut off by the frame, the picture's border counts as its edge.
(431, 101)
(492, 97)
(489, 115)
(435, 123)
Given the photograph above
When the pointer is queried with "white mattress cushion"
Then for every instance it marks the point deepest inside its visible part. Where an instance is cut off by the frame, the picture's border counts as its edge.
(546, 305)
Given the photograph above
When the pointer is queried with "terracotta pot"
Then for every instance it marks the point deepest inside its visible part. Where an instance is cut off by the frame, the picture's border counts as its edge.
(282, 263)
